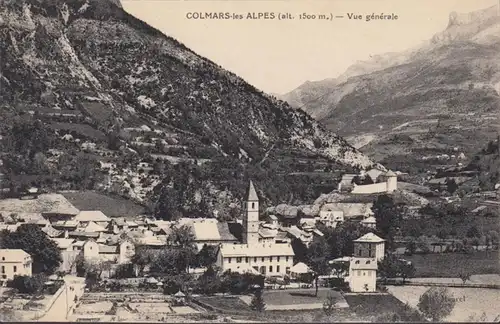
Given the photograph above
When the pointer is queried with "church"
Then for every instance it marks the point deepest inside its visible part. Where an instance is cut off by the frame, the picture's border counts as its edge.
(253, 254)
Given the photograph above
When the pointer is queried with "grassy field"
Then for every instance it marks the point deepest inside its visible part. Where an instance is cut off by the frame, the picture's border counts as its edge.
(471, 302)
(451, 264)
(110, 206)
(361, 308)
(283, 297)
(366, 305)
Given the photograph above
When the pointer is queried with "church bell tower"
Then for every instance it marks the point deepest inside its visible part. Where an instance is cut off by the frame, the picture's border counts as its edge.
(251, 217)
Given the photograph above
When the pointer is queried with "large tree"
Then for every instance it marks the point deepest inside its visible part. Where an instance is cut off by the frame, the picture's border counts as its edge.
(436, 303)
(318, 253)
(30, 238)
(207, 256)
(388, 215)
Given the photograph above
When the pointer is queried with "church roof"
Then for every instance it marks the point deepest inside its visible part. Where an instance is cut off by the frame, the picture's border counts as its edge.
(252, 194)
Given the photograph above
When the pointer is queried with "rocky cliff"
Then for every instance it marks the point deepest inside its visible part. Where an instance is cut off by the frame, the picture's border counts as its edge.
(97, 81)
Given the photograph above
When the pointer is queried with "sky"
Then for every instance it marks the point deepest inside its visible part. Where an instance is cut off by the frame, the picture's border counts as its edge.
(277, 56)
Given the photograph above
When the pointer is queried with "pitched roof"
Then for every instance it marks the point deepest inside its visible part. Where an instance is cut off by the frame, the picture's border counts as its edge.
(370, 238)
(83, 234)
(45, 204)
(13, 255)
(281, 235)
(330, 207)
(374, 173)
(119, 221)
(300, 268)
(257, 250)
(51, 232)
(63, 243)
(252, 194)
(108, 249)
(94, 227)
(91, 216)
(390, 174)
(68, 223)
(206, 231)
(225, 233)
(264, 232)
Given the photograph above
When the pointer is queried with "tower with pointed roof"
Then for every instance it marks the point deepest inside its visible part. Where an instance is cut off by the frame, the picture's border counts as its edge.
(251, 217)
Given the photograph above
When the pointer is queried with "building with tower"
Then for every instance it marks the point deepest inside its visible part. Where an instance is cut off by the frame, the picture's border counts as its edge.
(363, 266)
(369, 246)
(385, 183)
(253, 254)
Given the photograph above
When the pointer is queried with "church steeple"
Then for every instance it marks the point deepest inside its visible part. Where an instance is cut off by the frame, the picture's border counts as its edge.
(252, 194)
(251, 219)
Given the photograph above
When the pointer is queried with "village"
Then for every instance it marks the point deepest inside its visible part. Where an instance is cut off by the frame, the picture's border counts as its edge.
(277, 260)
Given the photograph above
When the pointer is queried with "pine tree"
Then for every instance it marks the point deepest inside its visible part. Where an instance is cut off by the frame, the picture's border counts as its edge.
(258, 303)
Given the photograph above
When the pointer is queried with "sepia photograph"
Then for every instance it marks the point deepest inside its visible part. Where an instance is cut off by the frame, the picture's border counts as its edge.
(249, 161)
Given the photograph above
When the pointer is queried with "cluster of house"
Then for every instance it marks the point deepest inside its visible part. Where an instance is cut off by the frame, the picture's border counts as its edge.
(249, 245)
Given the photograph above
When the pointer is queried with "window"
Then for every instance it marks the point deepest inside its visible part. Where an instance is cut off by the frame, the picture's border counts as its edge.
(368, 262)
(270, 268)
(278, 260)
(238, 260)
(364, 273)
(277, 268)
(357, 262)
(253, 205)
(262, 259)
(254, 259)
(3, 258)
(271, 259)
(15, 269)
(287, 258)
(359, 252)
(228, 260)
(246, 260)
(287, 269)
(369, 273)
(4, 276)
(3, 269)
(359, 273)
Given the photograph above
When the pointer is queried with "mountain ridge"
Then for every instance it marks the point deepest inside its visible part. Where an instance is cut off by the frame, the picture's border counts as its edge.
(436, 96)
(105, 83)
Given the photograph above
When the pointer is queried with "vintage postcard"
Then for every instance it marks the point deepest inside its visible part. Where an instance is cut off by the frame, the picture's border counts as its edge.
(249, 161)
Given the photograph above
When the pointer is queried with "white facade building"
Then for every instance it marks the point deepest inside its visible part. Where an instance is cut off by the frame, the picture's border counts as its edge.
(362, 275)
(264, 258)
(14, 262)
(255, 255)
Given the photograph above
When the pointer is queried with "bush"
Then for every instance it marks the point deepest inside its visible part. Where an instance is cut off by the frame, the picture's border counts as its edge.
(27, 284)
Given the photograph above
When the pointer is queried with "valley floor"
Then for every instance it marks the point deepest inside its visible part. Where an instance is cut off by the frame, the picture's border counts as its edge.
(471, 303)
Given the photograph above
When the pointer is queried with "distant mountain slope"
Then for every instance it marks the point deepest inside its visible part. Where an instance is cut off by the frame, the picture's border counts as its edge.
(442, 96)
(106, 84)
